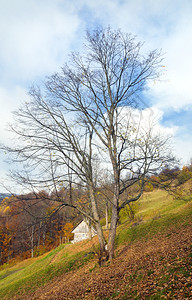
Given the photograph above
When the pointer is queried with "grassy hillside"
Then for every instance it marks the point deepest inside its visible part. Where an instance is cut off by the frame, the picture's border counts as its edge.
(153, 260)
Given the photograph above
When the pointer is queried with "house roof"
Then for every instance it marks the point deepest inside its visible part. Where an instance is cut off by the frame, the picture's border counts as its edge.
(82, 227)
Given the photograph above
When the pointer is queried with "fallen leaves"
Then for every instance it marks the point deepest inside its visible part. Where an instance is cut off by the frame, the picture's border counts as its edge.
(159, 268)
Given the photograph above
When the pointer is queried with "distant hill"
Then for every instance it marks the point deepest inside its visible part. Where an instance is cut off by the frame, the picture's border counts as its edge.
(3, 195)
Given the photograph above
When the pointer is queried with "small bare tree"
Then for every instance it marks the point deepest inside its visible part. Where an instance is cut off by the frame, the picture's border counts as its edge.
(92, 108)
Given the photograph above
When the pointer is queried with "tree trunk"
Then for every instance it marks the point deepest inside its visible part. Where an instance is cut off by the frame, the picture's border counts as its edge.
(89, 228)
(1, 254)
(106, 216)
(32, 241)
(96, 217)
(113, 227)
(44, 234)
(39, 234)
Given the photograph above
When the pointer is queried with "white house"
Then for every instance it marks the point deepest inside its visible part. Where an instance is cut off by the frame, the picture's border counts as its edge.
(83, 232)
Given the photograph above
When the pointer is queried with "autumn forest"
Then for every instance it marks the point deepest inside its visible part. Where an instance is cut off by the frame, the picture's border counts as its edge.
(32, 224)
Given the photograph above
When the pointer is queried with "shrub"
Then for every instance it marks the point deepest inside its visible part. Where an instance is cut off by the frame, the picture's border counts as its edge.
(148, 187)
(128, 212)
(184, 175)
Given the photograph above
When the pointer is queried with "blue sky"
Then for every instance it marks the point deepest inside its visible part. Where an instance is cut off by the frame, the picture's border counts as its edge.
(37, 36)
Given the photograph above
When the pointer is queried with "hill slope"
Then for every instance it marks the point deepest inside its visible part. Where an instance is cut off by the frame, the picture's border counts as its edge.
(153, 260)
(159, 266)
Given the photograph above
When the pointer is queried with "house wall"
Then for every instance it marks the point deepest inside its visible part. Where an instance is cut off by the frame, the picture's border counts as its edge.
(82, 232)
(78, 236)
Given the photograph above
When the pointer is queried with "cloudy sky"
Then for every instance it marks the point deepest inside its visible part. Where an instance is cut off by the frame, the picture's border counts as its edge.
(37, 36)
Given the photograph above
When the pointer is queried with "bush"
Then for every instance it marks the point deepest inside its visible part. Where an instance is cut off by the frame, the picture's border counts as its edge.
(39, 251)
(155, 181)
(128, 212)
(168, 174)
(148, 187)
(184, 175)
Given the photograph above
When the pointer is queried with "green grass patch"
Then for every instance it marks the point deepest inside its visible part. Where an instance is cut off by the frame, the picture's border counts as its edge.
(157, 210)
(173, 213)
(29, 278)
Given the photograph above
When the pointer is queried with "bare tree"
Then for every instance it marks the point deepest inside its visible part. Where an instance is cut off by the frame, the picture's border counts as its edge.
(94, 107)
(56, 151)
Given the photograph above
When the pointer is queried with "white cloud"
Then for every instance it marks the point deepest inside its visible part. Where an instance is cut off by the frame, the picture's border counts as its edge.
(9, 101)
(182, 149)
(148, 118)
(36, 35)
(176, 91)
(162, 25)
